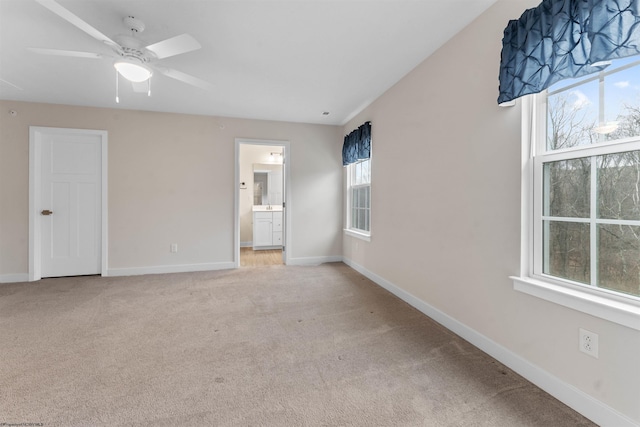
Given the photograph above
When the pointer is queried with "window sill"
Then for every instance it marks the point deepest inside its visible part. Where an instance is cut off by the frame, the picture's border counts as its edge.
(358, 235)
(617, 311)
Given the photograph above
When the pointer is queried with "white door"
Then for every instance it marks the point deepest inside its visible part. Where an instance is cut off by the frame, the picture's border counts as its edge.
(283, 215)
(69, 208)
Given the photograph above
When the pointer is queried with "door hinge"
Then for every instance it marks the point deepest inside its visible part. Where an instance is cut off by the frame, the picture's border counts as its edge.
(284, 205)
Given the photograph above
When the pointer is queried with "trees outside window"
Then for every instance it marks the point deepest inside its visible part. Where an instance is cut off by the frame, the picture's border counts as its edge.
(587, 180)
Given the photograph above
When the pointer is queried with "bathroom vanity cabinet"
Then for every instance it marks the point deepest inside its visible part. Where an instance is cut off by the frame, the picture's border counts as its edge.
(267, 229)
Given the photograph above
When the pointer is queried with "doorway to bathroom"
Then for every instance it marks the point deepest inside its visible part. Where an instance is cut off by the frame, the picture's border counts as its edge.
(261, 203)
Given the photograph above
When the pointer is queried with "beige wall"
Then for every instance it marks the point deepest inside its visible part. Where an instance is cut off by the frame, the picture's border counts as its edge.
(171, 180)
(446, 214)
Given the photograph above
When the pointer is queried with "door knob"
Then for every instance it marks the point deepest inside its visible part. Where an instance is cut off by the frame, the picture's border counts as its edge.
(46, 212)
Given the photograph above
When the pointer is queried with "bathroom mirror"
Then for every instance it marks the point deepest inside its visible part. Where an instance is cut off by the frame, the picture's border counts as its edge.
(267, 184)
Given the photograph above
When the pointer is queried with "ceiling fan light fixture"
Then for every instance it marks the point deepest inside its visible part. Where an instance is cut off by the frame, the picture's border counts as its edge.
(132, 69)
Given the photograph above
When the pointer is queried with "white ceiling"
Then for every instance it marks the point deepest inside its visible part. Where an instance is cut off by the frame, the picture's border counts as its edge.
(275, 60)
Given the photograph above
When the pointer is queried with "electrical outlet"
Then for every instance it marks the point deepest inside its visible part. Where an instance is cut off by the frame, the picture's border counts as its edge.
(589, 343)
(174, 248)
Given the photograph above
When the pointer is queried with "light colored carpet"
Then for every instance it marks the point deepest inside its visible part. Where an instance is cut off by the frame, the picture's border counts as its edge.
(268, 346)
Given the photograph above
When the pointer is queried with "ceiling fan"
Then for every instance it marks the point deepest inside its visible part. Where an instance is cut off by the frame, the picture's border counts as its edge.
(133, 60)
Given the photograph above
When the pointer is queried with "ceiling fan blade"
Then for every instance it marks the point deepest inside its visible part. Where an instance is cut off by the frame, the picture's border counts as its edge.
(71, 53)
(186, 78)
(10, 84)
(174, 46)
(54, 7)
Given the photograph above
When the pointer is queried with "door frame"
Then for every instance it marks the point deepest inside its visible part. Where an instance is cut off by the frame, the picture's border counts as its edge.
(287, 195)
(36, 135)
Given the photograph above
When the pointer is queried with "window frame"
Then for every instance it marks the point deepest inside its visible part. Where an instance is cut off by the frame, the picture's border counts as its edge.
(350, 229)
(600, 302)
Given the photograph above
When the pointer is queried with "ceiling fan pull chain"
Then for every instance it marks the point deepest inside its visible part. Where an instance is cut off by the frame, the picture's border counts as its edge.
(117, 89)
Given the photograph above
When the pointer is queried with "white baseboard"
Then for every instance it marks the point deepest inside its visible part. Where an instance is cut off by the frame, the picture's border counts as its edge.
(246, 244)
(316, 260)
(160, 269)
(580, 401)
(12, 278)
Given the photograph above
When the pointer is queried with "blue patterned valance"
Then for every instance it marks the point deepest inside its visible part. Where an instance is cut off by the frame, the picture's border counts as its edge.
(563, 39)
(357, 145)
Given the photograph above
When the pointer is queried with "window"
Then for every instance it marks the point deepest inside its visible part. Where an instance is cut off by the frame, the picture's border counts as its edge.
(583, 186)
(359, 198)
